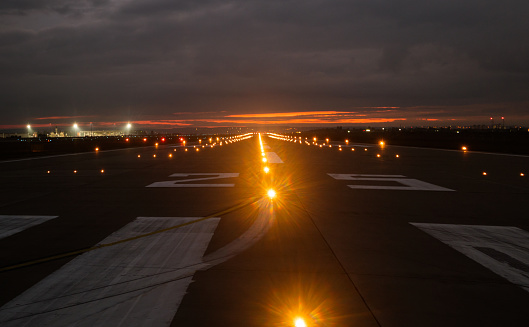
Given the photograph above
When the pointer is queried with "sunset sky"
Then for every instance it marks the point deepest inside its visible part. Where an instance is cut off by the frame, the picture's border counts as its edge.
(169, 64)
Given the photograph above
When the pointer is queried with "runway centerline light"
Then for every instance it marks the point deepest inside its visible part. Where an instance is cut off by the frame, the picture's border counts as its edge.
(299, 322)
(266, 170)
(264, 159)
(271, 193)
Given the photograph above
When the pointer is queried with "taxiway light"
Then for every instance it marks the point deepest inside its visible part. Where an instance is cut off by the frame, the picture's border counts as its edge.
(299, 322)
(271, 193)
(266, 170)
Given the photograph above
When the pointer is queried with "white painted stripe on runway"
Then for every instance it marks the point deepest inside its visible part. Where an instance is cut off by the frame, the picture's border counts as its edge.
(272, 157)
(137, 283)
(502, 249)
(11, 224)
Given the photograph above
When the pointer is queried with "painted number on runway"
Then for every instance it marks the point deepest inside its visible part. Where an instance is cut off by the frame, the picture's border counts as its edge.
(406, 184)
(502, 249)
(203, 177)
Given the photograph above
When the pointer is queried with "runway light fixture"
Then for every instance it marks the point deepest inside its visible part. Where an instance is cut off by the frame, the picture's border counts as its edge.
(271, 193)
(484, 173)
(264, 159)
(102, 171)
(396, 156)
(464, 148)
(266, 170)
(139, 155)
(97, 149)
(299, 322)
(522, 174)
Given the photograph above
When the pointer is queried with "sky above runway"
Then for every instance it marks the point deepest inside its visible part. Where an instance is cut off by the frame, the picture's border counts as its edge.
(169, 64)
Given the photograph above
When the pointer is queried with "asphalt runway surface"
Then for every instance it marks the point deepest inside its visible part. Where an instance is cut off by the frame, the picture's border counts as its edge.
(357, 235)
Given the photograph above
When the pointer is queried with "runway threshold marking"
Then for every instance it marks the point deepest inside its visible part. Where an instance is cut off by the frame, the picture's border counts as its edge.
(502, 249)
(12, 224)
(138, 283)
(407, 184)
(184, 182)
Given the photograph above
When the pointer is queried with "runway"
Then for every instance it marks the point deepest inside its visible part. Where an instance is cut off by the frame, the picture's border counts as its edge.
(357, 235)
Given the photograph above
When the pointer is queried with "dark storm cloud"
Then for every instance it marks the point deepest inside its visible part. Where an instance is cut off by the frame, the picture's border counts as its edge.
(161, 56)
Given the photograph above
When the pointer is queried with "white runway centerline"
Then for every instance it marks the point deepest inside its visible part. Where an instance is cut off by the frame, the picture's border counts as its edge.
(502, 249)
(136, 283)
(10, 225)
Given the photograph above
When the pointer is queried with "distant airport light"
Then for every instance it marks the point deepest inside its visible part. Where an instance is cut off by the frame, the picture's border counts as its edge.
(365, 149)
(75, 126)
(347, 141)
(464, 148)
(75, 171)
(197, 149)
(145, 140)
(29, 126)
(262, 154)
(185, 150)
(264, 159)
(340, 149)
(154, 156)
(126, 140)
(170, 155)
(97, 149)
(378, 155)
(102, 171)
(156, 143)
(163, 139)
(381, 143)
(129, 125)
(139, 155)
(266, 170)
(484, 173)
(49, 171)
(522, 174)
(352, 149)
(314, 139)
(174, 150)
(271, 193)
(396, 156)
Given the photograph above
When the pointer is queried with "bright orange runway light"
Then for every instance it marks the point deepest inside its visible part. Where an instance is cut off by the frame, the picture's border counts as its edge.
(299, 322)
